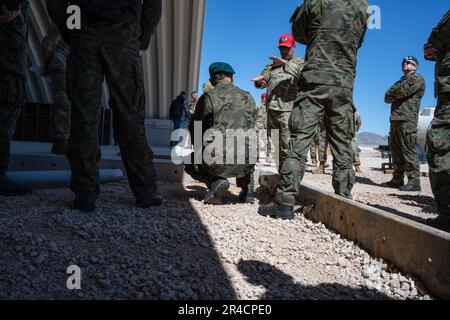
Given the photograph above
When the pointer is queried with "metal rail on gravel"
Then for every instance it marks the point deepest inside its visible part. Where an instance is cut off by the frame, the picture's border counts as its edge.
(413, 247)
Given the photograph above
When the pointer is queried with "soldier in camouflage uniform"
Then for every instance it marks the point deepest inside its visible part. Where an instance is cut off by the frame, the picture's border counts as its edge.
(438, 140)
(326, 85)
(281, 80)
(405, 96)
(356, 151)
(319, 147)
(56, 52)
(108, 46)
(222, 108)
(13, 64)
(192, 104)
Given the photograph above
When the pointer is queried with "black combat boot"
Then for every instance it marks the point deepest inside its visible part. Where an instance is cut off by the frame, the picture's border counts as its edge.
(279, 211)
(85, 202)
(393, 184)
(216, 191)
(154, 200)
(9, 188)
(411, 188)
(247, 195)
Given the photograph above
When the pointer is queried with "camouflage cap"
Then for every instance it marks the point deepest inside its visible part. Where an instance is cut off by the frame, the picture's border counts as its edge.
(220, 67)
(412, 59)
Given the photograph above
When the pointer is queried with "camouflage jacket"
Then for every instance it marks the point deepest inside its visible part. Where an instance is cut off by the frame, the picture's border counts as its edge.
(405, 97)
(440, 39)
(55, 51)
(222, 108)
(192, 106)
(13, 45)
(282, 84)
(261, 117)
(333, 31)
(135, 32)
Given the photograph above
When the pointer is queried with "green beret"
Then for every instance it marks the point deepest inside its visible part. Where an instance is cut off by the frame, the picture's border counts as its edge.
(220, 67)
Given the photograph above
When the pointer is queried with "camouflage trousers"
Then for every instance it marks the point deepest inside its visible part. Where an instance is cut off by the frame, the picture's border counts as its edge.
(12, 98)
(89, 63)
(438, 154)
(403, 141)
(319, 144)
(61, 111)
(311, 104)
(279, 120)
(355, 147)
(209, 174)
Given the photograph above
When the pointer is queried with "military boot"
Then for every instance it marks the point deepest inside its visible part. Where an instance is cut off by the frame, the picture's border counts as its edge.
(154, 200)
(276, 210)
(393, 184)
(60, 147)
(247, 195)
(9, 188)
(320, 169)
(411, 188)
(358, 169)
(85, 202)
(216, 191)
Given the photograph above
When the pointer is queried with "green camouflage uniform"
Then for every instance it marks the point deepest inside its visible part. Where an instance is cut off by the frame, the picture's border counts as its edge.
(111, 50)
(358, 123)
(56, 53)
(224, 107)
(282, 88)
(405, 97)
(13, 63)
(333, 30)
(438, 142)
(319, 144)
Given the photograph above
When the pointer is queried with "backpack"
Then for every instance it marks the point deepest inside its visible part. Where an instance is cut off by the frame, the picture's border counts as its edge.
(110, 10)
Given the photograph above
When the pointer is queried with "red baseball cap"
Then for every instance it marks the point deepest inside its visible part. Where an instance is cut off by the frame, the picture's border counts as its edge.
(264, 96)
(286, 40)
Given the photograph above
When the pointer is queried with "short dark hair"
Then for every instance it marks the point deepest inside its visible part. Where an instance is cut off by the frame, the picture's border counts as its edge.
(220, 76)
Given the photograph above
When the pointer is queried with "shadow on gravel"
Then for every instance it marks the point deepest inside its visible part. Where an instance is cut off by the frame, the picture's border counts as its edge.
(280, 286)
(367, 181)
(123, 252)
(425, 203)
(399, 213)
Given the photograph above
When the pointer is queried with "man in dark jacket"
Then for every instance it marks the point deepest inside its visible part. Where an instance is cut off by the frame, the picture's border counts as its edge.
(179, 114)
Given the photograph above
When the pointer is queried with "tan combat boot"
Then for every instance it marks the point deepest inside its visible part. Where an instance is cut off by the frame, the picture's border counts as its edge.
(358, 169)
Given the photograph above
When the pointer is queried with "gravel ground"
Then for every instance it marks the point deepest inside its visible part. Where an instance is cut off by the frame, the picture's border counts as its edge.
(368, 190)
(182, 250)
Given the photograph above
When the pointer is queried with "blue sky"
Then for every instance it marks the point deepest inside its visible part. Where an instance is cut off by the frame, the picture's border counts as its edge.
(245, 33)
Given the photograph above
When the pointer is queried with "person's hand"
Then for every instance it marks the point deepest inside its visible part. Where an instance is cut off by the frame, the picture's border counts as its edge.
(278, 62)
(259, 79)
(430, 52)
(141, 53)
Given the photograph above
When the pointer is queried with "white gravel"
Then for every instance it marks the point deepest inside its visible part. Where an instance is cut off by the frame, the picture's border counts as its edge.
(182, 250)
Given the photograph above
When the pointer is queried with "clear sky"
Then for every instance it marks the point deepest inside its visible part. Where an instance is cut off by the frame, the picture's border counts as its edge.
(245, 33)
